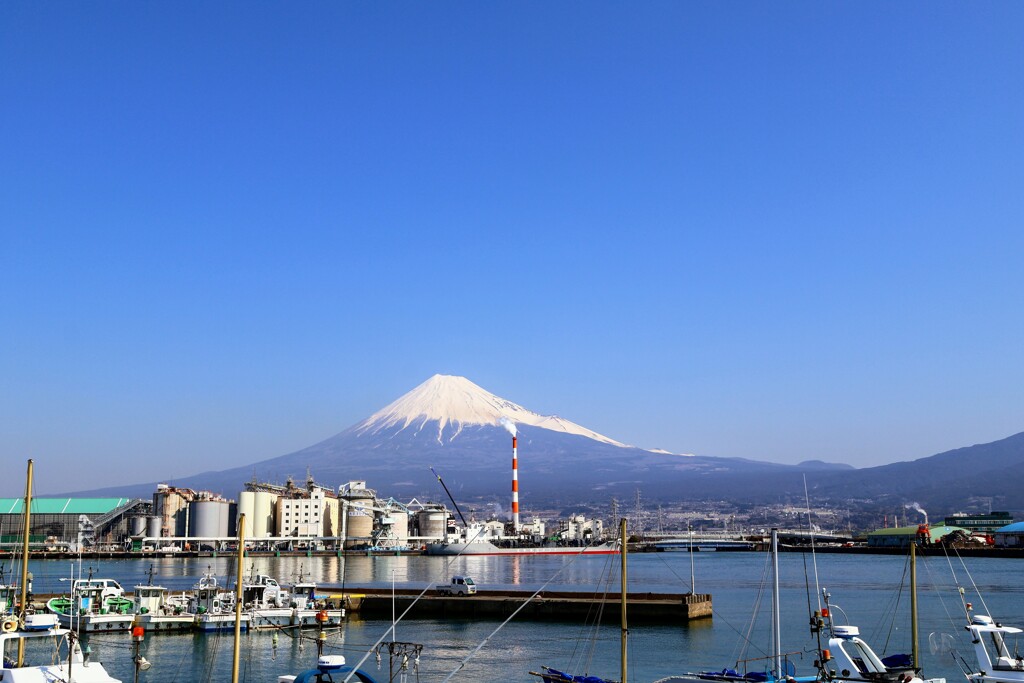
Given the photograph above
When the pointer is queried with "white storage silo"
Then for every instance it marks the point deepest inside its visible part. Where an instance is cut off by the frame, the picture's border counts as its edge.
(247, 507)
(208, 518)
(263, 521)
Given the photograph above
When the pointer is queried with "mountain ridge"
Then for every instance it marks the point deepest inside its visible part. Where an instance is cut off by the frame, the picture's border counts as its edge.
(453, 425)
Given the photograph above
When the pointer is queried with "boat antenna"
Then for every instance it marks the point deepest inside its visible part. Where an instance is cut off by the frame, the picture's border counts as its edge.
(450, 496)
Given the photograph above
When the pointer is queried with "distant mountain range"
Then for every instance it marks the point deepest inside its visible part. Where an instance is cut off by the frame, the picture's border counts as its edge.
(451, 424)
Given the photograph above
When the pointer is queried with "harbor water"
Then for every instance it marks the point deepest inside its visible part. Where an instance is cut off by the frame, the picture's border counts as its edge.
(865, 591)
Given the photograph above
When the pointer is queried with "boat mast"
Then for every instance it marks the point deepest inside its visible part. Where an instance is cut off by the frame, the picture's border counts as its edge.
(24, 559)
(238, 599)
(776, 622)
(913, 603)
(625, 629)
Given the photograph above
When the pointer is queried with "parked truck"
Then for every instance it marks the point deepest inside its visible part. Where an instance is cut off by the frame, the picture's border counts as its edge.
(460, 585)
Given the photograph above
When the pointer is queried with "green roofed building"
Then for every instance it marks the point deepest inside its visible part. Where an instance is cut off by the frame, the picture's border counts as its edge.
(68, 522)
(903, 536)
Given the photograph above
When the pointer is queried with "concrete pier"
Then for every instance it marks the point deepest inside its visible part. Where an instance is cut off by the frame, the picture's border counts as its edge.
(548, 605)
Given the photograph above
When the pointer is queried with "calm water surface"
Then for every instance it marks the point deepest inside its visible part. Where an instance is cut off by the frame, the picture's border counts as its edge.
(864, 589)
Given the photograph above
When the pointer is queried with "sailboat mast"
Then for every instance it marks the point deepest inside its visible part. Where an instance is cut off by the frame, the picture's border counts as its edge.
(913, 603)
(776, 621)
(238, 600)
(25, 559)
(625, 628)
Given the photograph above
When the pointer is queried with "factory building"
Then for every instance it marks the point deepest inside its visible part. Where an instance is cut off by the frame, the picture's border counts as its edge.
(185, 513)
(905, 536)
(272, 510)
(69, 523)
(302, 517)
(980, 523)
(579, 528)
(1010, 536)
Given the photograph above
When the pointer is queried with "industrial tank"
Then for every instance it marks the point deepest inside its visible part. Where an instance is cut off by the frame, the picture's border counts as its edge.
(247, 507)
(400, 525)
(432, 523)
(153, 526)
(263, 506)
(208, 518)
(359, 521)
(137, 526)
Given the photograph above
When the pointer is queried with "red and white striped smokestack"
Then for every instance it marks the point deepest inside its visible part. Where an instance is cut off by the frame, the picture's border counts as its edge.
(515, 484)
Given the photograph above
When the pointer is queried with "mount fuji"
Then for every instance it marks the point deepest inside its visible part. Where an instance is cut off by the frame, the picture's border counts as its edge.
(460, 429)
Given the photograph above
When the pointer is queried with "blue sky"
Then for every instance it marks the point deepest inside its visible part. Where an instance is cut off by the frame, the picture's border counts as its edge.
(782, 231)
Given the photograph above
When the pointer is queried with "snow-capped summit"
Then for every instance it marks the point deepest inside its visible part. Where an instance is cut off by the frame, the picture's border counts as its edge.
(453, 403)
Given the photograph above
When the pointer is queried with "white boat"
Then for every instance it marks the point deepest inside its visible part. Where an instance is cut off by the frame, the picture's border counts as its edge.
(156, 610)
(65, 660)
(310, 612)
(267, 603)
(328, 668)
(996, 649)
(93, 605)
(214, 607)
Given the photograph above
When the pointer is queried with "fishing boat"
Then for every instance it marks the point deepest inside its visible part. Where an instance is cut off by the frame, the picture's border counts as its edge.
(310, 611)
(267, 603)
(93, 605)
(63, 657)
(997, 651)
(8, 597)
(156, 610)
(214, 607)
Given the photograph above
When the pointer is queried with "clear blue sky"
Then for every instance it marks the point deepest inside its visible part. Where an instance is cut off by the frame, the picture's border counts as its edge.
(782, 231)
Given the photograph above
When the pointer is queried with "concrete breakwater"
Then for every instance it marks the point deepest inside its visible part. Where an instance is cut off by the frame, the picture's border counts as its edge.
(546, 606)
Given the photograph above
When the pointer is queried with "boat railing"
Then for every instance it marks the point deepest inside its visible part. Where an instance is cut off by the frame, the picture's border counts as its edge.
(744, 664)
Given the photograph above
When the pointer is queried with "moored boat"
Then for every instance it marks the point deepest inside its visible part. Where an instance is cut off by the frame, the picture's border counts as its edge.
(996, 650)
(93, 605)
(214, 607)
(156, 610)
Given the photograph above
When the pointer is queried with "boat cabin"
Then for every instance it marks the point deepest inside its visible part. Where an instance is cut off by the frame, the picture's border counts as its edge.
(992, 649)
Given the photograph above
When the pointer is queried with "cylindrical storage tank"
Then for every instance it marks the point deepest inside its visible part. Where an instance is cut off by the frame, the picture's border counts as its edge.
(231, 520)
(208, 519)
(153, 526)
(432, 523)
(263, 506)
(400, 525)
(359, 523)
(247, 507)
(137, 526)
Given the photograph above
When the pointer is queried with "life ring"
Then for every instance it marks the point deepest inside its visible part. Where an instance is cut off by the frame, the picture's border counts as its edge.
(9, 625)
